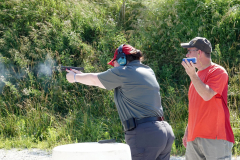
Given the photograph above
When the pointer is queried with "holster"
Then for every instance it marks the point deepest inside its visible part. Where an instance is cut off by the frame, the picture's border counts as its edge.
(129, 124)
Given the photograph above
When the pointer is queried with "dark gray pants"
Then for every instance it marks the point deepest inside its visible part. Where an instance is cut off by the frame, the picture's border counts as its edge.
(150, 141)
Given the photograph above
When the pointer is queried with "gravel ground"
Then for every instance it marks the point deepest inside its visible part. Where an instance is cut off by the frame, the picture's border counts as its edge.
(36, 154)
(24, 154)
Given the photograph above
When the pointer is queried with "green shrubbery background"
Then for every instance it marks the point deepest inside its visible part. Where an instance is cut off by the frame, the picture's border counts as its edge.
(39, 108)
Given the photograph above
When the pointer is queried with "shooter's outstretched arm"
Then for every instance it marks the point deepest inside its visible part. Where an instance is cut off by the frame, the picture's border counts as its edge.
(90, 79)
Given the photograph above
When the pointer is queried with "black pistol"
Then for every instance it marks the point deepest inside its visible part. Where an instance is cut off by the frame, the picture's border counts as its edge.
(63, 68)
(107, 141)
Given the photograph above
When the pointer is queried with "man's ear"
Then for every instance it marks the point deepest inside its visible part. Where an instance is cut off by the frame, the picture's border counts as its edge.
(199, 53)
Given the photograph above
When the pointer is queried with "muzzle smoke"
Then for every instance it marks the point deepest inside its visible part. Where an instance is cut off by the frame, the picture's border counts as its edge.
(2, 76)
(45, 69)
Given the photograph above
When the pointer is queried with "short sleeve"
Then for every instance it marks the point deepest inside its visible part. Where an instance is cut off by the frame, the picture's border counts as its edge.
(111, 78)
(217, 80)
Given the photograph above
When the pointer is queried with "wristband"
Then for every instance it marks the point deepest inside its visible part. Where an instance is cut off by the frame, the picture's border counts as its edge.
(74, 77)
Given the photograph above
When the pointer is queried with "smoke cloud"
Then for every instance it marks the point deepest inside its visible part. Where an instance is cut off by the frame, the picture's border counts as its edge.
(9, 73)
(2, 76)
(45, 69)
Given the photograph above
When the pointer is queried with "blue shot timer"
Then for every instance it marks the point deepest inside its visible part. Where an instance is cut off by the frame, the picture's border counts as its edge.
(194, 60)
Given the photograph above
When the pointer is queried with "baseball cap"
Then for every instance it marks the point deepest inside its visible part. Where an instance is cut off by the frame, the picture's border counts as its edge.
(200, 43)
(125, 49)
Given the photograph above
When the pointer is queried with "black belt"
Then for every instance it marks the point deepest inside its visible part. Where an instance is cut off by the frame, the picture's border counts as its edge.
(149, 119)
(132, 123)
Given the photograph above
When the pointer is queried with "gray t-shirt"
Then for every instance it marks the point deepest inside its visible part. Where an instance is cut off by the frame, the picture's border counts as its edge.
(136, 92)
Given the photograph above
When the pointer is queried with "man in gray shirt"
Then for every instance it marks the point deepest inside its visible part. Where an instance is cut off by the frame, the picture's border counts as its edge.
(138, 101)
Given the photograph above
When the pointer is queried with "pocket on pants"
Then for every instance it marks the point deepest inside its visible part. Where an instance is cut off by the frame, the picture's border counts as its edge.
(130, 138)
(137, 152)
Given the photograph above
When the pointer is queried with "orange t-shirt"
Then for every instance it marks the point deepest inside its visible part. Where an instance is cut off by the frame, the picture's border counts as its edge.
(210, 119)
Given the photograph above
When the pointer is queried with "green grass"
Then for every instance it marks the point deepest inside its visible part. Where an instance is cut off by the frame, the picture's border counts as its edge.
(40, 109)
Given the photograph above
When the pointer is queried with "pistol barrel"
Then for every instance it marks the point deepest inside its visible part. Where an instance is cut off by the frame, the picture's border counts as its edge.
(63, 68)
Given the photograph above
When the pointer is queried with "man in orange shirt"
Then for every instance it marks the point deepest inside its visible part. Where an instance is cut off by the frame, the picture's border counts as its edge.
(208, 135)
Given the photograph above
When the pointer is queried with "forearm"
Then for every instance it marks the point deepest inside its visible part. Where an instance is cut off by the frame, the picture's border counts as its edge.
(184, 139)
(90, 79)
(203, 90)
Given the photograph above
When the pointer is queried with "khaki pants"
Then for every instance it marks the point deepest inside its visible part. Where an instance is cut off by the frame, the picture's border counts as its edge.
(209, 149)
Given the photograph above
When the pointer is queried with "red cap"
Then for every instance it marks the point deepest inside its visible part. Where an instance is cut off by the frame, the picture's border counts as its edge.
(126, 49)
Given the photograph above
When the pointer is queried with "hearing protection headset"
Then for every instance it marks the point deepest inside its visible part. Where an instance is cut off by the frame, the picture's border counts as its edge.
(121, 57)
